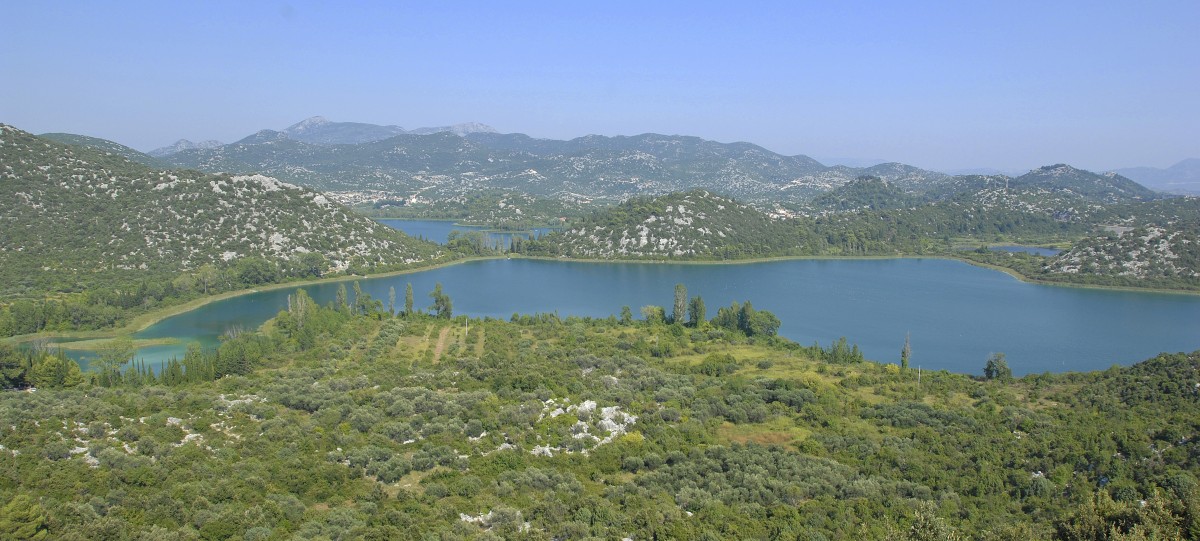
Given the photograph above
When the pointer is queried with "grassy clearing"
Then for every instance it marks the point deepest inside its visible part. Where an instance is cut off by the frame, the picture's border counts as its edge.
(777, 431)
(746, 355)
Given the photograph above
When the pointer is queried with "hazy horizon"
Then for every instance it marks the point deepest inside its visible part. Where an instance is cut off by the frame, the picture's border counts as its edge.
(939, 86)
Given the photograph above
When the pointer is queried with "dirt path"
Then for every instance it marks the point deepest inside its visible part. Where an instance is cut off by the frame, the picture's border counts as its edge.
(441, 345)
(479, 344)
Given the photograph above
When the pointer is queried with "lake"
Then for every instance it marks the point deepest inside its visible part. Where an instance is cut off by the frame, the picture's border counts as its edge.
(439, 231)
(956, 313)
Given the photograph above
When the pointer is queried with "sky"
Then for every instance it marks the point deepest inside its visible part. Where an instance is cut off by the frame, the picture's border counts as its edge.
(943, 85)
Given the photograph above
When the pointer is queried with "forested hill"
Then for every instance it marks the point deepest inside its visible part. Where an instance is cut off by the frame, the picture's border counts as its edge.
(73, 216)
(863, 193)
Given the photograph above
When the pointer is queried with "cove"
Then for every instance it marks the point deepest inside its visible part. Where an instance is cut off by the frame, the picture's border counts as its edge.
(956, 313)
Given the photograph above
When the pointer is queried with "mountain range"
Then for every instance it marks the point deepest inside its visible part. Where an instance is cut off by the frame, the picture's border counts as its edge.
(456, 160)
(1181, 178)
(318, 130)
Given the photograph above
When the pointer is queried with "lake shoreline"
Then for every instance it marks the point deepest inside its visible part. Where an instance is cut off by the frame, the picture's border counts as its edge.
(1005, 270)
(144, 321)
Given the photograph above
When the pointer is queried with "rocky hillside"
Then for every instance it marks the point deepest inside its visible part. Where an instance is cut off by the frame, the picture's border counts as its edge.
(696, 224)
(106, 146)
(498, 209)
(1142, 253)
(1075, 198)
(73, 211)
(1101, 188)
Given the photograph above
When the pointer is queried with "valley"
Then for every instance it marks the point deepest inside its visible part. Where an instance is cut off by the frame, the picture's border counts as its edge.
(528, 371)
(599, 271)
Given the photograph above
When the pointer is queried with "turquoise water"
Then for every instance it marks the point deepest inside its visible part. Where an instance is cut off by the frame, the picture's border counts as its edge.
(957, 314)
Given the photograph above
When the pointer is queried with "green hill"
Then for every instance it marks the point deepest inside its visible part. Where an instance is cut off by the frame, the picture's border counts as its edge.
(75, 217)
(105, 145)
(863, 193)
(1102, 188)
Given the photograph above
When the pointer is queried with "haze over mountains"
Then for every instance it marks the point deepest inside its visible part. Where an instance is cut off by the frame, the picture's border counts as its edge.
(444, 163)
(320, 131)
(345, 156)
(183, 144)
(1181, 178)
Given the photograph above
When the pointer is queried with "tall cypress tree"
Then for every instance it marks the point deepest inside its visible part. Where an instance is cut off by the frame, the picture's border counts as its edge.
(680, 308)
(340, 302)
(696, 311)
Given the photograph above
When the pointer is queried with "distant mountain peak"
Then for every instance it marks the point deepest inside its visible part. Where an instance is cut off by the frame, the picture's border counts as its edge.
(1098, 187)
(1183, 177)
(307, 124)
(457, 129)
(1057, 169)
(263, 136)
(182, 145)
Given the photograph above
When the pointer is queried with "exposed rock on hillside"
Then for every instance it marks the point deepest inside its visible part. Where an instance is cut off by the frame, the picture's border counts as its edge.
(68, 209)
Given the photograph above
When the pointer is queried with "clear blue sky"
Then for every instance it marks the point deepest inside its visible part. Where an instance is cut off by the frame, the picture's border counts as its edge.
(949, 85)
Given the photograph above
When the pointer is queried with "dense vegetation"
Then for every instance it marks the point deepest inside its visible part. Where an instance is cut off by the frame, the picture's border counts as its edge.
(869, 193)
(345, 421)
